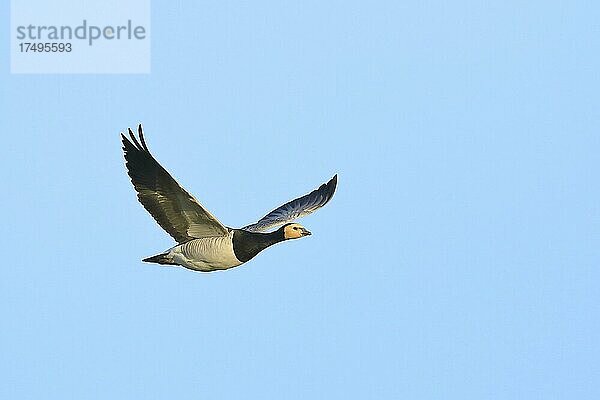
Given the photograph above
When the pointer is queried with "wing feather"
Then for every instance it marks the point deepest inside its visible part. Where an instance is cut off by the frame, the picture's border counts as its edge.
(175, 210)
(296, 208)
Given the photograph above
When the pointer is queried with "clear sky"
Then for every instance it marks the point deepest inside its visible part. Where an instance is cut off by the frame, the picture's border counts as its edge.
(459, 258)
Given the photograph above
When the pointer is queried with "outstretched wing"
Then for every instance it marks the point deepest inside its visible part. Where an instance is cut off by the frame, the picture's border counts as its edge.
(296, 208)
(175, 210)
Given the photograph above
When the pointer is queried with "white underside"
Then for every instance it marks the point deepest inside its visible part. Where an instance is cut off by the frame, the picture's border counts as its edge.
(206, 254)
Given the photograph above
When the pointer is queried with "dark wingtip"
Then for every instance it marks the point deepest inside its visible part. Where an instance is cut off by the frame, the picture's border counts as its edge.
(332, 184)
(134, 139)
(328, 190)
(141, 134)
(127, 145)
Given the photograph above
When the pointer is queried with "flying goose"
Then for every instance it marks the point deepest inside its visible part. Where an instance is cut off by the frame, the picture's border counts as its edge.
(203, 243)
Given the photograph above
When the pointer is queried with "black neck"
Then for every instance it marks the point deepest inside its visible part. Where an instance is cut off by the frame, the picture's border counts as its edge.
(246, 244)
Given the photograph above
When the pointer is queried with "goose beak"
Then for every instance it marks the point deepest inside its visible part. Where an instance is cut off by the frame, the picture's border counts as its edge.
(305, 232)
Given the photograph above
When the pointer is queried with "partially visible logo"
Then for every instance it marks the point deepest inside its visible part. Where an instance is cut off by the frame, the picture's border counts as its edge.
(84, 31)
(54, 37)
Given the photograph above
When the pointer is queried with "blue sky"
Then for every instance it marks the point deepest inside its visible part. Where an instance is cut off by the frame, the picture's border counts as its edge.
(458, 260)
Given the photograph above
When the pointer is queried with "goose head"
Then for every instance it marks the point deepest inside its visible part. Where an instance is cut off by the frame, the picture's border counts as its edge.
(294, 231)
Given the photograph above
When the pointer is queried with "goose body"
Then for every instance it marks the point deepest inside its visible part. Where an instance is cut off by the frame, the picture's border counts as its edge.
(204, 254)
(203, 243)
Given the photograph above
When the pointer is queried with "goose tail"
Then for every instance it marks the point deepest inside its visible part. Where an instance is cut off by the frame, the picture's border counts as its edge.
(162, 258)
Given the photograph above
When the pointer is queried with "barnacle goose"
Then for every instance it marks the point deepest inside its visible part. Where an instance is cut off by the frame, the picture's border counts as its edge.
(203, 243)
